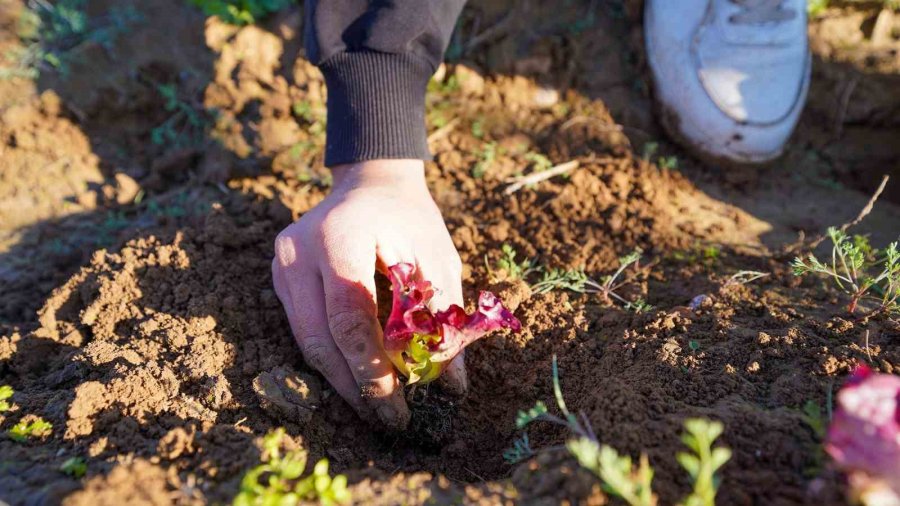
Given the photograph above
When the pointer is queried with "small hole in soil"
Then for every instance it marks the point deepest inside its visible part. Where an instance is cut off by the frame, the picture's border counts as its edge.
(432, 411)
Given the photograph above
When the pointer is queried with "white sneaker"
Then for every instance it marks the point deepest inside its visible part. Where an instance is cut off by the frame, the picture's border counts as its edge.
(730, 75)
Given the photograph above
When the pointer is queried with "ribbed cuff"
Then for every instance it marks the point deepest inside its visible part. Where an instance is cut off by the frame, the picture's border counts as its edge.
(376, 107)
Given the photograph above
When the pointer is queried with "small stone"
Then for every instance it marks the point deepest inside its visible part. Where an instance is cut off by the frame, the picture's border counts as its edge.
(285, 393)
(126, 188)
(546, 97)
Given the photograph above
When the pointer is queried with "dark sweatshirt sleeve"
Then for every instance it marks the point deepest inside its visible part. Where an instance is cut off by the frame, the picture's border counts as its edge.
(377, 57)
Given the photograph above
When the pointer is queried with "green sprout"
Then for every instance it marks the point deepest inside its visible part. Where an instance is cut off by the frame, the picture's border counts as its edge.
(486, 158)
(188, 123)
(858, 270)
(278, 481)
(539, 162)
(51, 32)
(703, 461)
(579, 282)
(813, 416)
(520, 451)
(618, 475)
(240, 12)
(507, 263)
(74, 467)
(23, 431)
(6, 392)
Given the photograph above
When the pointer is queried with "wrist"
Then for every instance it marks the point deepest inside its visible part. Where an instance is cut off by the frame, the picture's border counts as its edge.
(406, 174)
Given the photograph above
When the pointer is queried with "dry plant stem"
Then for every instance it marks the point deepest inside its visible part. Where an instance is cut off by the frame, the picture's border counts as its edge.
(843, 228)
(537, 177)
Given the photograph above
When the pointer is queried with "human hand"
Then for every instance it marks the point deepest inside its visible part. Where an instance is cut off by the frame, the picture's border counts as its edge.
(379, 214)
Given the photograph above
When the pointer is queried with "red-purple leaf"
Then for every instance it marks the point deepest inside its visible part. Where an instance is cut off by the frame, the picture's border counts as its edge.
(420, 342)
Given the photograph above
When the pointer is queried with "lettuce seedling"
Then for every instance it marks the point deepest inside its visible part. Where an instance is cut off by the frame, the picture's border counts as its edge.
(24, 431)
(6, 392)
(864, 436)
(277, 481)
(421, 343)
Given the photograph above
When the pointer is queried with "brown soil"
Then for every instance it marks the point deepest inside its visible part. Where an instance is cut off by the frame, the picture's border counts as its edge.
(138, 315)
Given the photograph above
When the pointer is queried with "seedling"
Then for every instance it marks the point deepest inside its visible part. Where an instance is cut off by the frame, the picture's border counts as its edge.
(520, 451)
(277, 481)
(187, 125)
(538, 161)
(74, 467)
(421, 343)
(23, 431)
(815, 419)
(508, 264)
(579, 282)
(50, 32)
(6, 392)
(485, 159)
(240, 12)
(861, 272)
(618, 475)
(478, 128)
(703, 460)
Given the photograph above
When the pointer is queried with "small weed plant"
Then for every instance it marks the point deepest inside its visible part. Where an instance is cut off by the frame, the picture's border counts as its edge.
(51, 32)
(36, 428)
(6, 392)
(75, 467)
(486, 158)
(188, 123)
(579, 282)
(618, 474)
(240, 12)
(860, 271)
(508, 264)
(279, 479)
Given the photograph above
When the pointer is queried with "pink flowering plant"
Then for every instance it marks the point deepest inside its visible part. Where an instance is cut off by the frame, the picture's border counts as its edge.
(864, 436)
(421, 342)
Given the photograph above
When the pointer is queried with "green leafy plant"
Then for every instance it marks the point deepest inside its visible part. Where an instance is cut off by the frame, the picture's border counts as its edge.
(278, 480)
(6, 392)
(860, 271)
(508, 264)
(618, 474)
(24, 431)
(75, 467)
(188, 123)
(520, 451)
(50, 32)
(816, 7)
(486, 158)
(538, 161)
(240, 12)
(703, 460)
(579, 282)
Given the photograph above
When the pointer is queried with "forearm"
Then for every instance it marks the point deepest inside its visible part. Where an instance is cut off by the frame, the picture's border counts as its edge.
(377, 58)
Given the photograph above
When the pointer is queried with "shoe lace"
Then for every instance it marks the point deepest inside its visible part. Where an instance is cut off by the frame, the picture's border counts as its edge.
(761, 11)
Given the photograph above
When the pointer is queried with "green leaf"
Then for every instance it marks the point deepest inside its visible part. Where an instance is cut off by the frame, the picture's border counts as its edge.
(524, 418)
(719, 457)
(689, 462)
